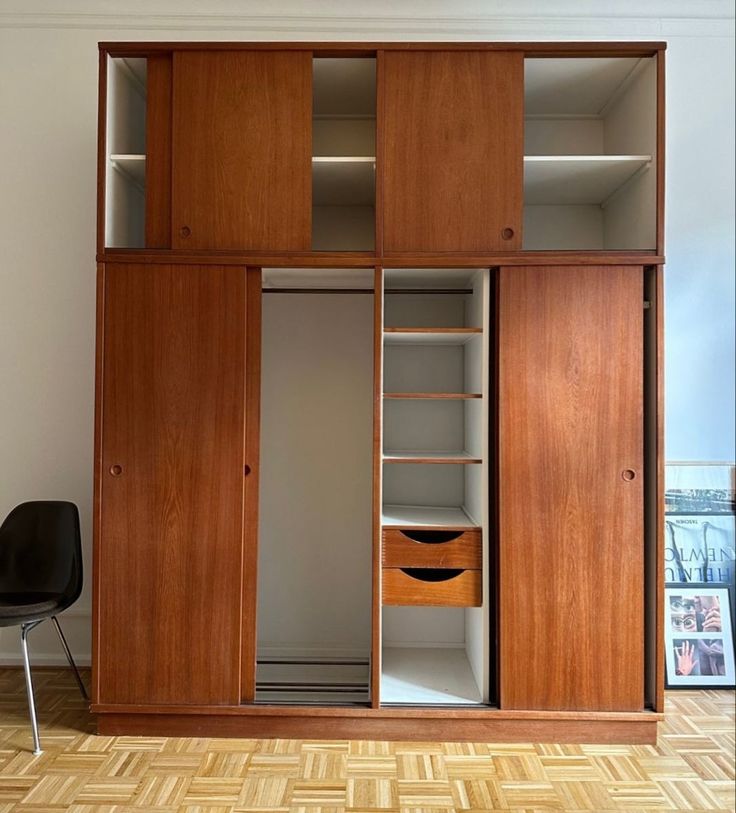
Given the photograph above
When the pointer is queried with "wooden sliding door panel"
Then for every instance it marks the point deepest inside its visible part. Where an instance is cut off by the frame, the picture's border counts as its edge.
(242, 146)
(571, 488)
(170, 550)
(453, 132)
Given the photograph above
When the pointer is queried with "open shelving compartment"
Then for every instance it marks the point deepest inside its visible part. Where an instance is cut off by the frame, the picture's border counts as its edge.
(343, 153)
(125, 176)
(435, 594)
(590, 153)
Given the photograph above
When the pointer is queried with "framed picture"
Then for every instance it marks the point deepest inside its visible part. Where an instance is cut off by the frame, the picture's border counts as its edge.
(699, 646)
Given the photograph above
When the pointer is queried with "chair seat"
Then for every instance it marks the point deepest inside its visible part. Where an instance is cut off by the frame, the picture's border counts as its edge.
(16, 608)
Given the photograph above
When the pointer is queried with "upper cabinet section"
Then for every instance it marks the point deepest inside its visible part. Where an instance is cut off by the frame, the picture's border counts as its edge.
(590, 150)
(391, 150)
(452, 165)
(344, 154)
(242, 146)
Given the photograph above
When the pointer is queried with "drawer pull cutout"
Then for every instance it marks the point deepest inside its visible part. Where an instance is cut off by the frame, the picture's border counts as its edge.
(432, 537)
(426, 574)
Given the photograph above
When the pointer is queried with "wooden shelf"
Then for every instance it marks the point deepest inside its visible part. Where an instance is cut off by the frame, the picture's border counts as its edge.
(569, 180)
(343, 180)
(437, 395)
(425, 516)
(133, 166)
(402, 456)
(424, 336)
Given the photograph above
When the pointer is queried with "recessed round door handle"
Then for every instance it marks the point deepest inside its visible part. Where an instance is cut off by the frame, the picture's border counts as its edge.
(507, 233)
(246, 470)
(116, 470)
(185, 231)
(628, 475)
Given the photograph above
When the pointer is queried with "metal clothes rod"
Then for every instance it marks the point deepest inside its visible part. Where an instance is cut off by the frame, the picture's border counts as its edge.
(387, 291)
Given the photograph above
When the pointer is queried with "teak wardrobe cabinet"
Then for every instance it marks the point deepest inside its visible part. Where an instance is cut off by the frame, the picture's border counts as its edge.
(379, 390)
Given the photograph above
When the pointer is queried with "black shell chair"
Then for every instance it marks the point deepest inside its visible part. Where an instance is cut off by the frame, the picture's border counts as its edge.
(40, 576)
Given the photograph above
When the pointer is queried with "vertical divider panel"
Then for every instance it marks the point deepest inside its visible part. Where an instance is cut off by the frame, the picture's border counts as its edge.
(102, 151)
(477, 363)
(380, 132)
(251, 474)
(654, 532)
(158, 152)
(376, 642)
(660, 158)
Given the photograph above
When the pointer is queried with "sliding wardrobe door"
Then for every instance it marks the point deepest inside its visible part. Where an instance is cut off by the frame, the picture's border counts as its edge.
(571, 480)
(452, 130)
(242, 150)
(170, 523)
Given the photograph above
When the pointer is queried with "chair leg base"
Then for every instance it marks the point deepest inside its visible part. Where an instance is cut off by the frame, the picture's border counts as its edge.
(24, 630)
(69, 657)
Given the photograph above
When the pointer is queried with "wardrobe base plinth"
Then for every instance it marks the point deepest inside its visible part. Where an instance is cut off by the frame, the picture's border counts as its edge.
(381, 724)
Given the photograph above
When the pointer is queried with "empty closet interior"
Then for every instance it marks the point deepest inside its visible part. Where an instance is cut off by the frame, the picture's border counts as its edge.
(590, 141)
(125, 169)
(435, 586)
(343, 153)
(316, 488)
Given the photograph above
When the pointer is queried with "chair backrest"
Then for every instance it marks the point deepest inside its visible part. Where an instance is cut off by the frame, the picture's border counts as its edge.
(41, 550)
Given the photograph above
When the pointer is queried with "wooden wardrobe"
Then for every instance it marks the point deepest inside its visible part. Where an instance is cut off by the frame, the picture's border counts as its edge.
(379, 391)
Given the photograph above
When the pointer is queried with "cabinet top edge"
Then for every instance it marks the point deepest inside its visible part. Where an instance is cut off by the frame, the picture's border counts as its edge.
(361, 260)
(551, 49)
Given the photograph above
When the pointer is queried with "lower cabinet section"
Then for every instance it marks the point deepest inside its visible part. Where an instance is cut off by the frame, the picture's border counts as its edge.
(416, 514)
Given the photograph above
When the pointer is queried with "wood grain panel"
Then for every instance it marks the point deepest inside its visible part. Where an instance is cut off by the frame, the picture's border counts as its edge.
(242, 171)
(376, 617)
(401, 590)
(465, 551)
(661, 145)
(170, 543)
(101, 149)
(252, 481)
(364, 259)
(453, 150)
(158, 151)
(571, 527)
(544, 48)
(350, 726)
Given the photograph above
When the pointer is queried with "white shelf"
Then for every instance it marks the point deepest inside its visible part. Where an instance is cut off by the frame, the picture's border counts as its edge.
(405, 456)
(427, 676)
(343, 180)
(424, 337)
(134, 166)
(569, 180)
(424, 516)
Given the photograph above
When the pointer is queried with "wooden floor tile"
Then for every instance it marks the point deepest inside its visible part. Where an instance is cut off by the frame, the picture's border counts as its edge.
(690, 768)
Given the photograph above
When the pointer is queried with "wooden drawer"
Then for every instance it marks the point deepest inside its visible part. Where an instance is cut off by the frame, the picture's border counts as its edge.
(440, 548)
(420, 586)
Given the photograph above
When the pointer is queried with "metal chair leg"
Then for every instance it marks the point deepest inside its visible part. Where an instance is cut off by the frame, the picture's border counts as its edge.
(70, 658)
(24, 630)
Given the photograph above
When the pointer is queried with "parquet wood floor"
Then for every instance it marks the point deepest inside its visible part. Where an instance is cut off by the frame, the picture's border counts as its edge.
(691, 768)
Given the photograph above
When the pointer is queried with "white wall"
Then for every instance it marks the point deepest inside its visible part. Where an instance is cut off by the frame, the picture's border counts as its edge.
(48, 100)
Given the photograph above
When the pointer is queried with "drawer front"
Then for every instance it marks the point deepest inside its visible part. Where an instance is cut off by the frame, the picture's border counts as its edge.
(442, 549)
(461, 590)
